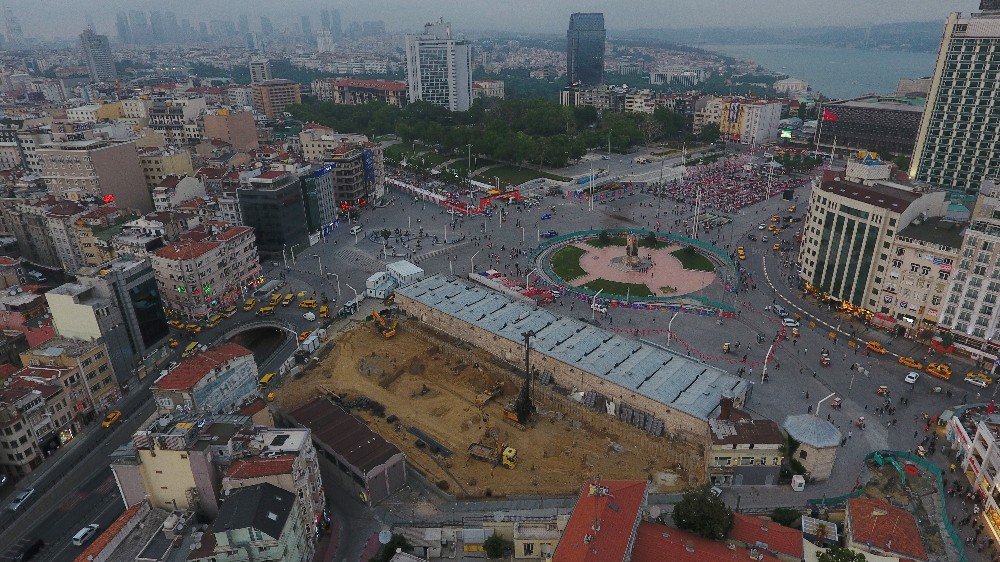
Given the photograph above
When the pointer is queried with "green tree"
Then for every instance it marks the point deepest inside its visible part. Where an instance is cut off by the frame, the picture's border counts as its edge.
(841, 554)
(604, 238)
(902, 162)
(703, 513)
(709, 133)
(389, 549)
(495, 546)
(785, 516)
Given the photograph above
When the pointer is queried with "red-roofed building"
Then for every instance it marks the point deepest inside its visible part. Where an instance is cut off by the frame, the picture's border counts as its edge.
(35, 418)
(351, 91)
(217, 380)
(200, 277)
(764, 534)
(102, 547)
(877, 527)
(604, 522)
(660, 543)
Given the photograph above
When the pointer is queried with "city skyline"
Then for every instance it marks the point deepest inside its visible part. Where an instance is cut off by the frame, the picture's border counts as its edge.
(64, 20)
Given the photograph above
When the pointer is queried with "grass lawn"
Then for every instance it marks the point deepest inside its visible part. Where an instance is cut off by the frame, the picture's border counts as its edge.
(566, 262)
(613, 241)
(400, 150)
(691, 259)
(652, 244)
(619, 288)
(514, 175)
(433, 158)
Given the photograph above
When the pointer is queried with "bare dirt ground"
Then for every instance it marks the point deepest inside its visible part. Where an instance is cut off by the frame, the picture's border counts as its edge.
(430, 383)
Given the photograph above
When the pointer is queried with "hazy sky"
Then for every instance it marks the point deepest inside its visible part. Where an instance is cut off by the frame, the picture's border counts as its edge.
(60, 18)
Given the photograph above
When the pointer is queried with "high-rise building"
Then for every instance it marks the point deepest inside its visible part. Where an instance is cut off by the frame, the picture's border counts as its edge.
(324, 19)
(97, 52)
(123, 29)
(306, 27)
(260, 70)
(335, 23)
(243, 24)
(15, 35)
(957, 145)
(272, 204)
(585, 49)
(266, 27)
(439, 67)
(139, 26)
(271, 97)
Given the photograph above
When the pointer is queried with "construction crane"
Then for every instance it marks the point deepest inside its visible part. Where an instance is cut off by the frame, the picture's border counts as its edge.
(519, 411)
(388, 330)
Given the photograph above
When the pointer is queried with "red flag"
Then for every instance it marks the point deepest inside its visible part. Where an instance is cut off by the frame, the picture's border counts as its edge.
(829, 115)
(991, 407)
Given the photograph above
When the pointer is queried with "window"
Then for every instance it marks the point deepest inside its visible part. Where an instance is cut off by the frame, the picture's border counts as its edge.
(802, 453)
(529, 548)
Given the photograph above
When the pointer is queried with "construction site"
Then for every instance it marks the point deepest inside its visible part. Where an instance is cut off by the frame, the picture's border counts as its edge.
(472, 425)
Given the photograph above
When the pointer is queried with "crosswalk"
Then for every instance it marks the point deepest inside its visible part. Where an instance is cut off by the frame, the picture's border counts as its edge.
(439, 251)
(359, 259)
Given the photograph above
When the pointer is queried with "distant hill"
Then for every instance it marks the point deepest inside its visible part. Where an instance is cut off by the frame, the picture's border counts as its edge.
(924, 36)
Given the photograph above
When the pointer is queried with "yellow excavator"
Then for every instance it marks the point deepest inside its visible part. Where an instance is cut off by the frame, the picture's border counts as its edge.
(387, 329)
(500, 454)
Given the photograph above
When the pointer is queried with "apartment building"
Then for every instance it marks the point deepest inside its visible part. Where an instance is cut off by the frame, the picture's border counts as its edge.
(119, 304)
(487, 89)
(271, 97)
(272, 205)
(318, 141)
(84, 369)
(350, 91)
(105, 169)
(94, 231)
(217, 380)
(749, 121)
(61, 219)
(199, 277)
(160, 163)
(173, 190)
(971, 305)
(439, 67)
(235, 128)
(358, 171)
(35, 419)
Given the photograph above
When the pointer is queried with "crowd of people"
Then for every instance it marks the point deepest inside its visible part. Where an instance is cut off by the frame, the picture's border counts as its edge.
(729, 184)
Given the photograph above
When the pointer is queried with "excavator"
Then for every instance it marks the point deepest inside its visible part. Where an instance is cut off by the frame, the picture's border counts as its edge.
(387, 329)
(500, 454)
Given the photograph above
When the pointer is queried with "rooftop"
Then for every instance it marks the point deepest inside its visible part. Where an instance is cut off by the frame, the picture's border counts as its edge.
(260, 467)
(910, 104)
(263, 507)
(352, 439)
(189, 371)
(602, 522)
(935, 231)
(886, 197)
(659, 374)
(878, 524)
(770, 535)
(812, 430)
(740, 428)
(102, 540)
(186, 250)
(389, 85)
(656, 542)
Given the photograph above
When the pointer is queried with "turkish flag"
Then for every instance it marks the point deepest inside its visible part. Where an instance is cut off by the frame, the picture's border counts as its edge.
(829, 115)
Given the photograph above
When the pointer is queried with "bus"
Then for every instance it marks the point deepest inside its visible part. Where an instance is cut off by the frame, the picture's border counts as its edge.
(265, 380)
(190, 349)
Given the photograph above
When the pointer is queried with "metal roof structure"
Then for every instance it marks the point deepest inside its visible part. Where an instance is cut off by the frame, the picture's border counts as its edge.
(659, 374)
(812, 430)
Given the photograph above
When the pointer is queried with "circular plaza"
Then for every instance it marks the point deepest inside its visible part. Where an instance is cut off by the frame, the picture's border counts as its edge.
(636, 266)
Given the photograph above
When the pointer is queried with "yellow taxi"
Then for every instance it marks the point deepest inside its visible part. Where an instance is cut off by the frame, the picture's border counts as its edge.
(288, 299)
(939, 370)
(275, 299)
(176, 324)
(741, 253)
(791, 209)
(777, 246)
(112, 417)
(193, 328)
(173, 343)
(775, 218)
(911, 363)
(304, 335)
(876, 347)
(249, 304)
(300, 294)
(229, 311)
(265, 311)
(981, 380)
(324, 311)
(308, 304)
(213, 321)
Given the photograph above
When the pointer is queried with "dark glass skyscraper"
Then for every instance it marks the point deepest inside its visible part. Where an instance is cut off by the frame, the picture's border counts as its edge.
(585, 49)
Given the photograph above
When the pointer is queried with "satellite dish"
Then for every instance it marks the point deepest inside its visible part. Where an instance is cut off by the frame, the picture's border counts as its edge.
(384, 537)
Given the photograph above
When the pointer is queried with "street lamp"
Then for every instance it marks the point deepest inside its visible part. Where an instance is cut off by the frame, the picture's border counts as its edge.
(355, 293)
(338, 284)
(670, 326)
(472, 262)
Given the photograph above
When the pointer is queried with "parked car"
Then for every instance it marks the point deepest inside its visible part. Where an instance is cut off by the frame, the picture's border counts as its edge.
(912, 377)
(546, 216)
(981, 380)
(549, 234)
(911, 363)
(790, 322)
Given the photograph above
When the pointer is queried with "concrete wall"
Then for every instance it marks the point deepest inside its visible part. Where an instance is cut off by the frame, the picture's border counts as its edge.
(120, 174)
(128, 477)
(167, 477)
(71, 319)
(819, 462)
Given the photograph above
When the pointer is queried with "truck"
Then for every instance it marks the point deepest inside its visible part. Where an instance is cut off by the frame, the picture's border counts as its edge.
(502, 455)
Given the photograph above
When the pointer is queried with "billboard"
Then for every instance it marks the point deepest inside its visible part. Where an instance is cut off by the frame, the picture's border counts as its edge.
(368, 162)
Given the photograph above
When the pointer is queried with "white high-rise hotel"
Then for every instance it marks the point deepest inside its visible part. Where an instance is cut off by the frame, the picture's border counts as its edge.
(958, 144)
(439, 67)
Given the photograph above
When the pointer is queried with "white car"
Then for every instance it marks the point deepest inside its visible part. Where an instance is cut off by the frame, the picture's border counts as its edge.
(20, 499)
(85, 534)
(912, 377)
(790, 322)
(761, 226)
(977, 381)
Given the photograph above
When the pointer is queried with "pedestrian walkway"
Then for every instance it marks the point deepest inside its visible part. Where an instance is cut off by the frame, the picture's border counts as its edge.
(439, 251)
(359, 259)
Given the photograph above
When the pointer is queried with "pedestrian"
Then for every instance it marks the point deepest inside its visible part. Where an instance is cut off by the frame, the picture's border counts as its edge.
(850, 434)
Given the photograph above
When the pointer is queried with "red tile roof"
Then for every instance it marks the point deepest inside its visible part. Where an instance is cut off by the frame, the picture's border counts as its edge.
(7, 369)
(260, 467)
(778, 538)
(253, 407)
(601, 526)
(186, 250)
(272, 175)
(879, 525)
(189, 371)
(232, 232)
(387, 85)
(105, 538)
(657, 543)
(170, 181)
(4, 260)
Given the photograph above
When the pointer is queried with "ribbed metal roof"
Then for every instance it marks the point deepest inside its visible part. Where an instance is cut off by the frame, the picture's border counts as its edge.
(812, 430)
(672, 379)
